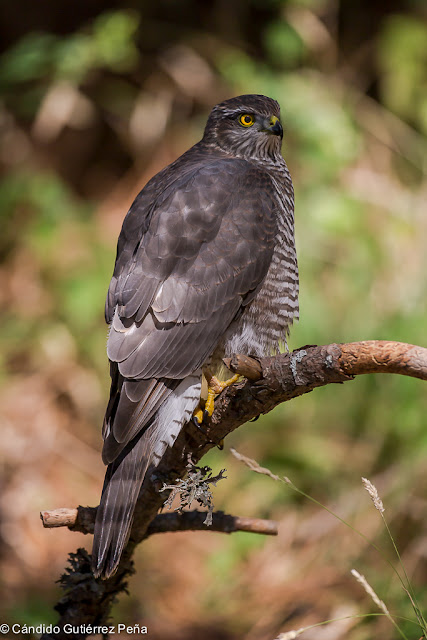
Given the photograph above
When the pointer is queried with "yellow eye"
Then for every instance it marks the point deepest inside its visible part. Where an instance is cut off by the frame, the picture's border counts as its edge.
(246, 120)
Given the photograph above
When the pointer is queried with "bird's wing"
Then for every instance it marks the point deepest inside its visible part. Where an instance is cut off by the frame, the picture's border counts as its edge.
(198, 256)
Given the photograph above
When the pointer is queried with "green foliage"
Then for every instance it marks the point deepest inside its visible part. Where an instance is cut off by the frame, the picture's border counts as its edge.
(402, 58)
(109, 44)
(29, 59)
(283, 44)
(54, 230)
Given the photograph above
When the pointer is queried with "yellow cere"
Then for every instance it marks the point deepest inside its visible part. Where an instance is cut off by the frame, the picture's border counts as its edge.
(246, 120)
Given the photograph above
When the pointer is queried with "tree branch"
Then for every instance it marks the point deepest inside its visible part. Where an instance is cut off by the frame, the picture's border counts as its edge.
(269, 382)
(82, 519)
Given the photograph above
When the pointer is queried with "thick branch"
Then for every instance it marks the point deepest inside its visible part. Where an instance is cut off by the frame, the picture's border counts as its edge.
(270, 381)
(381, 356)
(370, 356)
(287, 376)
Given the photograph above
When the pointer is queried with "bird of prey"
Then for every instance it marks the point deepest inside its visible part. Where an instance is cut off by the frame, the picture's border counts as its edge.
(206, 267)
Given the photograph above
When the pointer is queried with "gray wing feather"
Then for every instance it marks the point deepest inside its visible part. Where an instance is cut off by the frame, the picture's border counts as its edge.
(132, 405)
(177, 292)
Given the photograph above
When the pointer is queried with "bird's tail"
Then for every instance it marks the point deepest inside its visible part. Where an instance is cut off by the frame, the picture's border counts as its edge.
(114, 517)
(126, 473)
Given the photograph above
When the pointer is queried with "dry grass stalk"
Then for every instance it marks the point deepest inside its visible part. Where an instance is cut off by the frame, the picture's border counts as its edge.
(369, 590)
(290, 635)
(253, 465)
(373, 492)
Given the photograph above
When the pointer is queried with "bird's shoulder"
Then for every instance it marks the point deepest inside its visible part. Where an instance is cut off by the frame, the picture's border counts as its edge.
(203, 196)
(196, 169)
(197, 183)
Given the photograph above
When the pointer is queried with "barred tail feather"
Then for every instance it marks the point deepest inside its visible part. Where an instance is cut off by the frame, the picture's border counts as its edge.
(114, 517)
(126, 473)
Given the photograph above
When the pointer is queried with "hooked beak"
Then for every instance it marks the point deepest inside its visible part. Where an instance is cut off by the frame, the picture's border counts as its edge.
(274, 126)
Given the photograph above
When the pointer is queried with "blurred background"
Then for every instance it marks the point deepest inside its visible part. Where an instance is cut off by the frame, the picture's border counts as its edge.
(96, 97)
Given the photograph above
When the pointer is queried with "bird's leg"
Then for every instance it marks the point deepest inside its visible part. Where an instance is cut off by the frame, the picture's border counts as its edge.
(215, 387)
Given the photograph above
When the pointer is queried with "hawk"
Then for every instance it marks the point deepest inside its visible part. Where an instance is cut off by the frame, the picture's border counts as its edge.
(206, 267)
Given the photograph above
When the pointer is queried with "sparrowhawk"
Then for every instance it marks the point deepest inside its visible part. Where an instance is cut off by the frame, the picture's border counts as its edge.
(206, 267)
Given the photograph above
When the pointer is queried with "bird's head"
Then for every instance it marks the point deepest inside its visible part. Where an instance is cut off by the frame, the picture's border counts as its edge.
(247, 126)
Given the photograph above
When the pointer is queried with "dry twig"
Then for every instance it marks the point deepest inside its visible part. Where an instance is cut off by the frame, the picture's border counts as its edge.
(82, 520)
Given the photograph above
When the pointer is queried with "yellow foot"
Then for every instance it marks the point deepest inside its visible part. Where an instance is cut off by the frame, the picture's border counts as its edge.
(215, 387)
(198, 415)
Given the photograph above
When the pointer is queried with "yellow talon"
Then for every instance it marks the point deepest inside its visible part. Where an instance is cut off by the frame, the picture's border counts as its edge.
(215, 387)
(198, 414)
